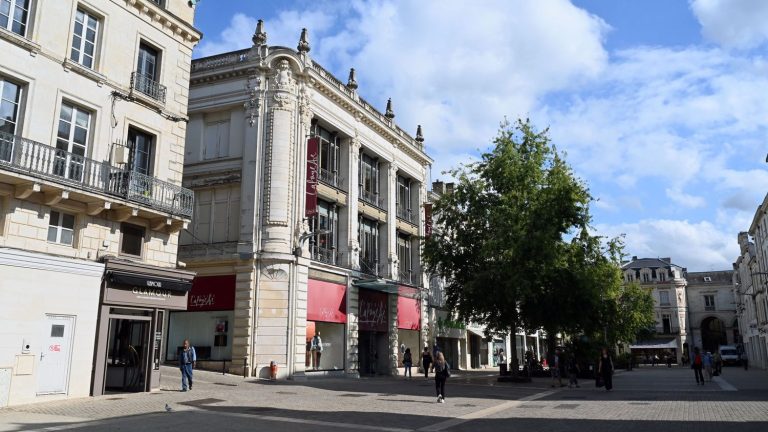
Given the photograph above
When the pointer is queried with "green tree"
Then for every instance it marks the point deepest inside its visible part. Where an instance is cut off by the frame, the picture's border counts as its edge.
(499, 237)
(629, 312)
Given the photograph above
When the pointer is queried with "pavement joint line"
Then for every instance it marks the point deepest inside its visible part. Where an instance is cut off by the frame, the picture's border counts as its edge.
(484, 412)
(355, 426)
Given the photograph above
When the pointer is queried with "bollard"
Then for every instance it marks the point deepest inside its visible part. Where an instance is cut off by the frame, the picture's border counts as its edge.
(245, 366)
(272, 370)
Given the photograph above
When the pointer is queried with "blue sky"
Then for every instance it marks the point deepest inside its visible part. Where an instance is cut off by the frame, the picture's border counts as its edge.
(660, 105)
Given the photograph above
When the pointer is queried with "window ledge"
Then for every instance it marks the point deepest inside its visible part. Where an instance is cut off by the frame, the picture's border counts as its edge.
(147, 99)
(84, 71)
(21, 41)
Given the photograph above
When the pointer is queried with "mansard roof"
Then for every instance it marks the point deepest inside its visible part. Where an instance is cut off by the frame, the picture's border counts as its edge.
(638, 263)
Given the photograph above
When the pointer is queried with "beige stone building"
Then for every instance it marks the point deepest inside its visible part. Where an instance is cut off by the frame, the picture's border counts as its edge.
(307, 218)
(712, 309)
(92, 134)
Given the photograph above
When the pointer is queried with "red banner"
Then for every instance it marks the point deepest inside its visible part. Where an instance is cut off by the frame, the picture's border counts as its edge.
(313, 171)
(427, 219)
(373, 311)
(212, 293)
(408, 313)
(326, 302)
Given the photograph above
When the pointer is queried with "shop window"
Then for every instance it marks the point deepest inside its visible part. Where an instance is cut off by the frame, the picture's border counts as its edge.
(132, 239)
(324, 346)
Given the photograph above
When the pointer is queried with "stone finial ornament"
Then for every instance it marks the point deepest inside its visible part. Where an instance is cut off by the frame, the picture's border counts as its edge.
(351, 82)
(419, 136)
(389, 114)
(303, 46)
(260, 36)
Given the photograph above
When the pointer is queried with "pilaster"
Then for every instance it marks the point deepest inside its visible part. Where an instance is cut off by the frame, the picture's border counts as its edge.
(391, 237)
(353, 244)
(394, 345)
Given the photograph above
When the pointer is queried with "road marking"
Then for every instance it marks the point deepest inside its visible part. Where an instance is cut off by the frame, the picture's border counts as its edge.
(483, 412)
(724, 385)
(279, 419)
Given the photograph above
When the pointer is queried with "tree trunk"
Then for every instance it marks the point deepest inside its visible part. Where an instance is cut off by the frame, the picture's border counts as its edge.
(513, 364)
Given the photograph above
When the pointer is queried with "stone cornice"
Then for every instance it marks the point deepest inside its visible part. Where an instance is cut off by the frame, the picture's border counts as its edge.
(167, 21)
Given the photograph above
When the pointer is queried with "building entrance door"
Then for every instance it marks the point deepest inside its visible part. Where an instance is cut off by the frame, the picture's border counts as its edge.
(55, 354)
(128, 348)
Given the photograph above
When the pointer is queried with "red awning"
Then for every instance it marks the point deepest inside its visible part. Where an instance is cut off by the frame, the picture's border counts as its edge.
(326, 302)
(212, 293)
(408, 313)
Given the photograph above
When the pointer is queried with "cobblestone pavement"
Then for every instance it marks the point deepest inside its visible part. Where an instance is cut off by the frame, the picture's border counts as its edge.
(647, 399)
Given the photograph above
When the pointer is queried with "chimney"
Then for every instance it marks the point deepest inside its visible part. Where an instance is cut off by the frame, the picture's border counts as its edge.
(667, 260)
(634, 258)
(438, 187)
(449, 188)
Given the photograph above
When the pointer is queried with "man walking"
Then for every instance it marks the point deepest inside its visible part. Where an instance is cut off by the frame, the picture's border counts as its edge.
(187, 362)
(696, 365)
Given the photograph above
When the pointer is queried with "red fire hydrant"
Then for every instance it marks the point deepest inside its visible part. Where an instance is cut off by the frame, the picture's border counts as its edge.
(272, 370)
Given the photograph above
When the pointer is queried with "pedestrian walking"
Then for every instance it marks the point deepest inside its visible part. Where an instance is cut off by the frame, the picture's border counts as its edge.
(707, 361)
(407, 362)
(669, 360)
(696, 365)
(502, 363)
(718, 363)
(605, 369)
(573, 372)
(745, 360)
(554, 370)
(187, 362)
(435, 352)
(426, 361)
(442, 372)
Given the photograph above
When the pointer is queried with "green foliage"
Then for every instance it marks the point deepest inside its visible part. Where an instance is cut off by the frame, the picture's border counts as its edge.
(630, 312)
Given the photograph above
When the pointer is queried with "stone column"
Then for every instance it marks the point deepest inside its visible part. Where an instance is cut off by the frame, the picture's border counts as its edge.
(353, 312)
(353, 170)
(394, 344)
(391, 236)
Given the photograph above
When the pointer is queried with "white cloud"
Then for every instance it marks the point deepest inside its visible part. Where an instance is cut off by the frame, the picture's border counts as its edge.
(733, 23)
(684, 199)
(699, 246)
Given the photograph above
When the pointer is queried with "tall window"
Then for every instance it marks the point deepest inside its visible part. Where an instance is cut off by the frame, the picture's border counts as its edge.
(666, 323)
(709, 302)
(646, 278)
(10, 95)
(84, 38)
(653, 273)
(14, 15)
(141, 144)
(216, 140)
(369, 179)
(662, 276)
(368, 236)
(323, 246)
(329, 155)
(404, 197)
(61, 227)
(404, 258)
(71, 141)
(664, 298)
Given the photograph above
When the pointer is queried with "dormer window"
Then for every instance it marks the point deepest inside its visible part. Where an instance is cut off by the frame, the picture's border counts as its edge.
(707, 279)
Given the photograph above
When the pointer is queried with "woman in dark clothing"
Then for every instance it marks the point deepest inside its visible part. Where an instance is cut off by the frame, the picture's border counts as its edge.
(426, 361)
(441, 374)
(605, 369)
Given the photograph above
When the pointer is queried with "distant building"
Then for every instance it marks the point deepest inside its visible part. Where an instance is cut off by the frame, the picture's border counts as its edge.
(93, 106)
(667, 284)
(712, 309)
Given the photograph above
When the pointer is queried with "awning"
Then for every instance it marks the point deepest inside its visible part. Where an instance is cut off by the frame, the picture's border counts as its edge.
(661, 344)
(149, 282)
(382, 285)
(476, 331)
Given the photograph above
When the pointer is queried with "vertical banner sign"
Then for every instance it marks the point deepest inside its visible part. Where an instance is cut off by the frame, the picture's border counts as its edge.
(313, 153)
(427, 219)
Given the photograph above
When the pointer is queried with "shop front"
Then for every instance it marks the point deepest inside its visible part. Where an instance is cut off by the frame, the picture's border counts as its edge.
(135, 299)
(206, 322)
(373, 340)
(450, 335)
(326, 325)
(409, 322)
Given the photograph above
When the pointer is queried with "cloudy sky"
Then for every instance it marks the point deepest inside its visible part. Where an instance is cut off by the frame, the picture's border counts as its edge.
(661, 105)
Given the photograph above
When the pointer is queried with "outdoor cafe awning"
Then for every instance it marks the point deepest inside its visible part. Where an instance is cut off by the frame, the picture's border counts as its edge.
(660, 344)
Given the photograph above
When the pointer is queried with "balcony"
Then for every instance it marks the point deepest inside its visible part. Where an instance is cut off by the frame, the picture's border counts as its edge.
(148, 86)
(369, 266)
(409, 277)
(325, 255)
(332, 178)
(406, 214)
(27, 157)
(372, 198)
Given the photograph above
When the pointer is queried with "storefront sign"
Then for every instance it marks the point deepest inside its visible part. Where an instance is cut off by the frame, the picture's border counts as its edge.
(427, 220)
(313, 145)
(326, 302)
(408, 313)
(373, 311)
(147, 282)
(212, 293)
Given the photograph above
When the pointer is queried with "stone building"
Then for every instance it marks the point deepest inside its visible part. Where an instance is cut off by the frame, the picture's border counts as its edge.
(307, 218)
(667, 284)
(712, 309)
(94, 99)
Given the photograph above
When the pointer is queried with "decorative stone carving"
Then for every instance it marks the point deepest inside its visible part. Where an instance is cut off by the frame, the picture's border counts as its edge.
(419, 135)
(259, 36)
(303, 46)
(390, 114)
(305, 105)
(351, 82)
(276, 272)
(253, 104)
(283, 78)
(282, 101)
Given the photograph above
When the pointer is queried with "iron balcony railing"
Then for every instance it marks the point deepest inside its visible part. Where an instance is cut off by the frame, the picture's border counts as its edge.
(371, 198)
(148, 86)
(406, 276)
(29, 157)
(325, 255)
(332, 178)
(369, 266)
(406, 214)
